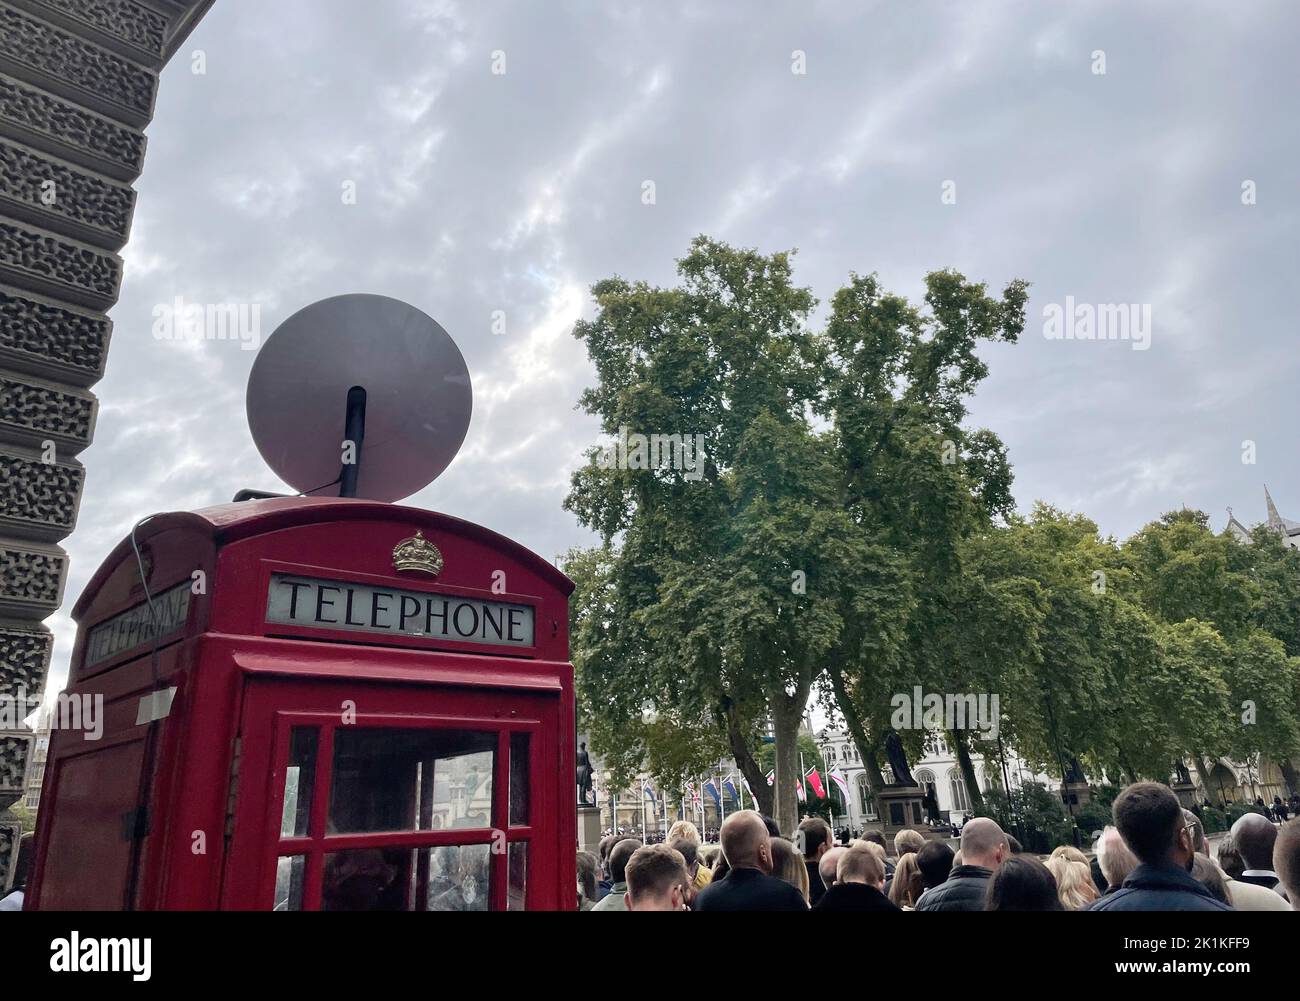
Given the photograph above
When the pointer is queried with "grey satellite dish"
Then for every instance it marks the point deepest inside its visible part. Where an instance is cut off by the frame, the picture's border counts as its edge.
(364, 369)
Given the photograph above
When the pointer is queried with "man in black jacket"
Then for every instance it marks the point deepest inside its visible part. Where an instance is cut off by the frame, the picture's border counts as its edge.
(749, 885)
(859, 883)
(1150, 820)
(984, 847)
(1254, 836)
(814, 837)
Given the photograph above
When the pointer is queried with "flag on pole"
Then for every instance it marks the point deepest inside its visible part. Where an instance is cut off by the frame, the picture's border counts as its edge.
(771, 777)
(693, 792)
(730, 786)
(815, 781)
(711, 788)
(745, 782)
(651, 793)
(838, 777)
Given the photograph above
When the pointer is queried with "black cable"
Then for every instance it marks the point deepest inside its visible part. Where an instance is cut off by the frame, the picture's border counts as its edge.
(139, 819)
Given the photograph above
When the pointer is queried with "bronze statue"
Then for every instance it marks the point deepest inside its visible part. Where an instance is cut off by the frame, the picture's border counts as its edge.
(898, 760)
(585, 773)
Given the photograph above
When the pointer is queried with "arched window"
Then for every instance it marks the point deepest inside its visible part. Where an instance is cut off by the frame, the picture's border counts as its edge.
(864, 797)
(925, 779)
(960, 801)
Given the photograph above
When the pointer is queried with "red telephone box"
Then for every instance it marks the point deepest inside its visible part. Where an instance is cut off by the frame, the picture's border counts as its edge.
(372, 710)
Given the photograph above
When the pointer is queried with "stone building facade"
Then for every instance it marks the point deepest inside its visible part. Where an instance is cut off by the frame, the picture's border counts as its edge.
(78, 79)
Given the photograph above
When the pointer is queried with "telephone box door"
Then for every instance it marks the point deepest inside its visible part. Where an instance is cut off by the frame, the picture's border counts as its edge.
(356, 795)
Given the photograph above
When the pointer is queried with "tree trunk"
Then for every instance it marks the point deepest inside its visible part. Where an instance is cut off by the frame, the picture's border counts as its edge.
(738, 741)
(968, 771)
(865, 745)
(1204, 775)
(787, 712)
(1289, 776)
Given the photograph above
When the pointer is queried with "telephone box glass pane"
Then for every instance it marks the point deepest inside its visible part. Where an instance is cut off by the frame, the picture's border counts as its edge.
(459, 878)
(389, 779)
(518, 885)
(519, 778)
(368, 879)
(289, 873)
(299, 780)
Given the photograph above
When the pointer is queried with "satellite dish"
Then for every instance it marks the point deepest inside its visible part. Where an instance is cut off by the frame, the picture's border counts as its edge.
(365, 369)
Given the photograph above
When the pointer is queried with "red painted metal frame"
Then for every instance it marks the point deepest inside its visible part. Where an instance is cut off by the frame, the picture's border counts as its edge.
(237, 683)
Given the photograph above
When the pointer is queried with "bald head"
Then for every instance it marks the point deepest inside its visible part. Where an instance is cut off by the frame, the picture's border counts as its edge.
(983, 843)
(1254, 836)
(826, 867)
(745, 841)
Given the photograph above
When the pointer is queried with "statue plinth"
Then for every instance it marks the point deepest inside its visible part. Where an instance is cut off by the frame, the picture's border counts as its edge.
(589, 828)
(900, 809)
(1186, 793)
(1076, 793)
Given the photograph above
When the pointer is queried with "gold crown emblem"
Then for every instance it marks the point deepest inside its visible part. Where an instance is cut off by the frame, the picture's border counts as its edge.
(417, 553)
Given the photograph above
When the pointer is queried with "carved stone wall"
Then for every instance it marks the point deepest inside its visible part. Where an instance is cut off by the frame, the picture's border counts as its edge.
(78, 80)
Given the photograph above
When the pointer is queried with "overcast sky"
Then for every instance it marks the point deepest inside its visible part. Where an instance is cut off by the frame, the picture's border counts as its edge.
(479, 191)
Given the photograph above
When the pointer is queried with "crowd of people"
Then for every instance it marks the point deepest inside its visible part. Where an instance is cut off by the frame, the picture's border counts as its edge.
(1155, 857)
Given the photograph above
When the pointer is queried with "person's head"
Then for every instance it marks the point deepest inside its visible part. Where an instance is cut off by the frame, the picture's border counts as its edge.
(1073, 878)
(984, 843)
(1114, 857)
(618, 859)
(1254, 835)
(656, 879)
(684, 829)
(1286, 860)
(1197, 831)
(1150, 819)
(1230, 859)
(606, 843)
(1210, 876)
(828, 865)
(861, 863)
(1021, 883)
(907, 841)
(1070, 853)
(788, 865)
(934, 861)
(588, 864)
(772, 830)
(814, 836)
(1013, 845)
(746, 843)
(907, 884)
(688, 850)
(874, 837)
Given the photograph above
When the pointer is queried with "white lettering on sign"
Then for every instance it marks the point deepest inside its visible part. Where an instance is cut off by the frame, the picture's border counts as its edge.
(138, 625)
(334, 604)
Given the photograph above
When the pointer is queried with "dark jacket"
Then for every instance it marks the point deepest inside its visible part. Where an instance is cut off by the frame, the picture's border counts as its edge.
(855, 897)
(963, 890)
(1267, 882)
(815, 885)
(750, 890)
(1159, 888)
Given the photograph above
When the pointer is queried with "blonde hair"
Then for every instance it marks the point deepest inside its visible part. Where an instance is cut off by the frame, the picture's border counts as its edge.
(1074, 885)
(907, 885)
(684, 829)
(907, 841)
(788, 865)
(1070, 853)
(864, 860)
